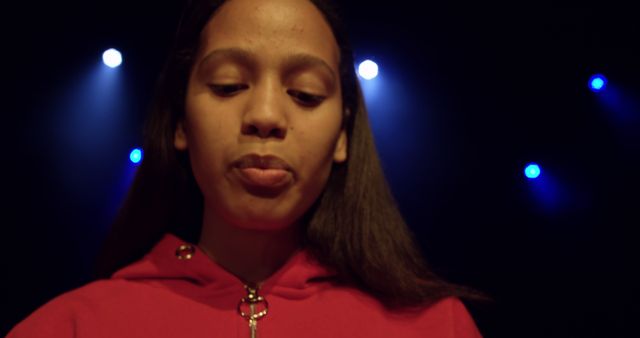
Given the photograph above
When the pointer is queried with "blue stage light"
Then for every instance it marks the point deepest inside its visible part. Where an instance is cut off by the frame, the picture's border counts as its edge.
(597, 83)
(368, 69)
(112, 58)
(532, 171)
(136, 155)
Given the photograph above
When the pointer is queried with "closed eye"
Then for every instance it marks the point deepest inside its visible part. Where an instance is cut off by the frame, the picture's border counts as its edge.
(227, 90)
(306, 99)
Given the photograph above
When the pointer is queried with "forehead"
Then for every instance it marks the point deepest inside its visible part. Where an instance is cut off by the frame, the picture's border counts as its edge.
(271, 29)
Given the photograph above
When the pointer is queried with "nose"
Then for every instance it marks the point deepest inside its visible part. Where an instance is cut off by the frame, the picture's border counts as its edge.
(264, 115)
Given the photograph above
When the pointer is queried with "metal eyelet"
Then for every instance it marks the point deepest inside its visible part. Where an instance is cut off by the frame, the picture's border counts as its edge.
(185, 251)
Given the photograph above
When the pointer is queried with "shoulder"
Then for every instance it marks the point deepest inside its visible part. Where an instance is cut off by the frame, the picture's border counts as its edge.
(447, 317)
(451, 315)
(58, 317)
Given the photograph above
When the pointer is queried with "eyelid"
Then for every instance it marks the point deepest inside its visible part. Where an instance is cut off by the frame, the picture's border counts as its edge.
(305, 98)
(222, 89)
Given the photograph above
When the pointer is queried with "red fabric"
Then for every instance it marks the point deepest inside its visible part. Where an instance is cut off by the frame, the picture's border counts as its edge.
(162, 296)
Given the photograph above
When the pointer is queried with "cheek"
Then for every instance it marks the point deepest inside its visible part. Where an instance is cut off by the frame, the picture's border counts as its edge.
(204, 137)
(210, 136)
(316, 149)
(210, 124)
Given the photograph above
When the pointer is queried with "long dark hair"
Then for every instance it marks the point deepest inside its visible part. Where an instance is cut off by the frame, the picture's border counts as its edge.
(354, 226)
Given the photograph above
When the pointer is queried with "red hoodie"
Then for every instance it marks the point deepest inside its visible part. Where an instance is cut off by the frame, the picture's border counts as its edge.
(178, 291)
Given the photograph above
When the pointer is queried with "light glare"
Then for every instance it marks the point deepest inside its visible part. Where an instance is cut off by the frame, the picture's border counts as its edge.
(368, 69)
(136, 155)
(112, 58)
(597, 83)
(532, 171)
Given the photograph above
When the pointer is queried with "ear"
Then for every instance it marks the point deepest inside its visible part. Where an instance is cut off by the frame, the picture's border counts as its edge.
(180, 137)
(340, 151)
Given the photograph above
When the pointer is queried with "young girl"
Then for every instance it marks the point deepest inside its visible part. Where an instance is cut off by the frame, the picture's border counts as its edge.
(260, 208)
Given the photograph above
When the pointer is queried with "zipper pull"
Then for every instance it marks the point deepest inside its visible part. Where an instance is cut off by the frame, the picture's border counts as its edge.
(253, 300)
(253, 327)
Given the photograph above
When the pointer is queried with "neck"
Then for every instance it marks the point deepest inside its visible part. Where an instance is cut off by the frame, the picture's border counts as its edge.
(249, 254)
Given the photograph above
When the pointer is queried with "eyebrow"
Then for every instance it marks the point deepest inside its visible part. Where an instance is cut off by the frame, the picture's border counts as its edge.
(247, 58)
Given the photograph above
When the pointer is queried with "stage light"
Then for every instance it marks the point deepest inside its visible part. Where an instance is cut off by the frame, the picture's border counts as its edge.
(532, 171)
(597, 83)
(112, 58)
(368, 69)
(136, 155)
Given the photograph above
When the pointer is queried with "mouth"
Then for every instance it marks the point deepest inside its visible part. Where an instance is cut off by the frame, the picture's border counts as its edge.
(263, 175)
(261, 162)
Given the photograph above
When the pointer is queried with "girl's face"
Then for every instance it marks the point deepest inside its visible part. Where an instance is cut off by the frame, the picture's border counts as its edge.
(263, 112)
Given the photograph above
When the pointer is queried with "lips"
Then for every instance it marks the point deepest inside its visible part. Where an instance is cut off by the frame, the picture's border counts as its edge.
(261, 162)
(263, 175)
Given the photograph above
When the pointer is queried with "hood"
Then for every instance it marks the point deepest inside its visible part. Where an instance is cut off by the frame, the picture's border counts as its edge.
(174, 263)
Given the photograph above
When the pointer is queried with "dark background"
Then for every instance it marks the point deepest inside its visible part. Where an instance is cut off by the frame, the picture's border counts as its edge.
(467, 96)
